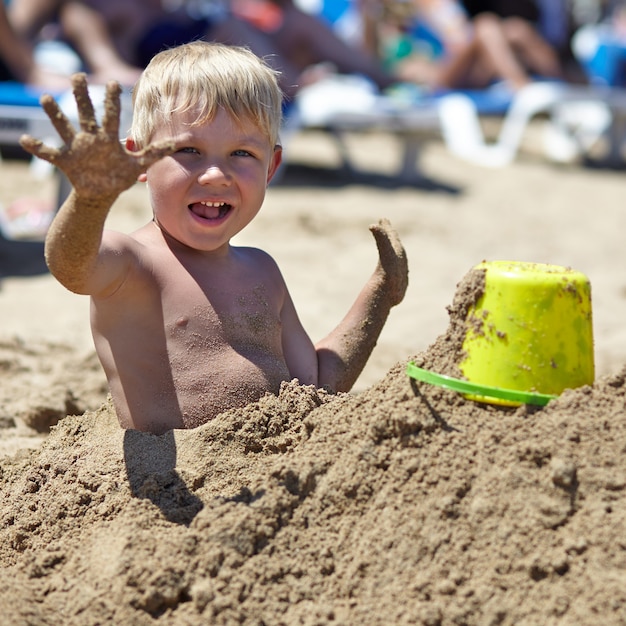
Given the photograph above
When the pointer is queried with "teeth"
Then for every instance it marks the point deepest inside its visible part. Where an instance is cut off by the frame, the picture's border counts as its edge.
(213, 204)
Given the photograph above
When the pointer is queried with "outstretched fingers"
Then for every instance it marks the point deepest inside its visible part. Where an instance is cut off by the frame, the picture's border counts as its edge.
(86, 112)
(393, 260)
(59, 120)
(154, 152)
(39, 149)
(112, 108)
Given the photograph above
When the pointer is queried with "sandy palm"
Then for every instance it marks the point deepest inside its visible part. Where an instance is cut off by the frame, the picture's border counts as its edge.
(93, 158)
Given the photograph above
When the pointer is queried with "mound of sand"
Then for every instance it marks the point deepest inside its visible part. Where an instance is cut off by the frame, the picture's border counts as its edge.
(43, 382)
(405, 504)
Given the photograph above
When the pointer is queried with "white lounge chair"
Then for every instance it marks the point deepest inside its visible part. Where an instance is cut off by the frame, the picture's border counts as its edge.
(577, 118)
(347, 104)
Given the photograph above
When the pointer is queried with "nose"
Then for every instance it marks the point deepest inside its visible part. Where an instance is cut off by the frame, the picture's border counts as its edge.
(214, 175)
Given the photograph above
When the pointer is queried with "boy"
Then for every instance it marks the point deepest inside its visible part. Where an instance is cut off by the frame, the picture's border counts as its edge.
(186, 325)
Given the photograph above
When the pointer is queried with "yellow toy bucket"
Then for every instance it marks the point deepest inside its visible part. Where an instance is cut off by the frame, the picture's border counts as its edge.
(530, 331)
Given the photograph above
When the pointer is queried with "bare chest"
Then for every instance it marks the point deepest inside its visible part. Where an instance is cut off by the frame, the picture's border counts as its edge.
(243, 315)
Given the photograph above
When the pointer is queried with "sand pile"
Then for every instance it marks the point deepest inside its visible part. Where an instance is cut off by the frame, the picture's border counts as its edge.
(406, 504)
(43, 381)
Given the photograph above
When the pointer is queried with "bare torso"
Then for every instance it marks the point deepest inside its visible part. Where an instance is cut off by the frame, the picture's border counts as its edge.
(186, 337)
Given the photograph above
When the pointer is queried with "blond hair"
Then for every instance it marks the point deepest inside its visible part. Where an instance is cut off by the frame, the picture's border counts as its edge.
(202, 77)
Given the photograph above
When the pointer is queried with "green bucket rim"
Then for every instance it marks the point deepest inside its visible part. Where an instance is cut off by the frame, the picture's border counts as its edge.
(484, 391)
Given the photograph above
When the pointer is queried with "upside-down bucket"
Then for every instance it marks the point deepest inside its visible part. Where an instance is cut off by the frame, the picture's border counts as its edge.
(531, 330)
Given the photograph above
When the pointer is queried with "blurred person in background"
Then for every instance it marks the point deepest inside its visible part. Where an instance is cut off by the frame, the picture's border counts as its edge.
(117, 38)
(553, 19)
(439, 43)
(18, 64)
(17, 59)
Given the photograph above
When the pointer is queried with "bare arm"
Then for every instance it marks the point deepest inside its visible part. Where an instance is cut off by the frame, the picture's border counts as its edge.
(13, 50)
(99, 168)
(17, 53)
(18, 29)
(342, 355)
(30, 16)
(88, 30)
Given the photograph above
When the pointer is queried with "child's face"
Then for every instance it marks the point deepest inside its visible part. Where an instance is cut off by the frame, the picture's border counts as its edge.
(214, 184)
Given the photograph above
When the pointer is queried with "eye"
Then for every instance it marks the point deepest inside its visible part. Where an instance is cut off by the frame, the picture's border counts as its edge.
(243, 153)
(187, 150)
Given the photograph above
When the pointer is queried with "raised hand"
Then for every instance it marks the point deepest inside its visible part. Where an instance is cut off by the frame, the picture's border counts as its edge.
(393, 265)
(93, 158)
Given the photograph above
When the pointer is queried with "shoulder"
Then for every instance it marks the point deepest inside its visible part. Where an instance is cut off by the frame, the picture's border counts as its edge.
(260, 265)
(254, 255)
(137, 258)
(132, 246)
(139, 242)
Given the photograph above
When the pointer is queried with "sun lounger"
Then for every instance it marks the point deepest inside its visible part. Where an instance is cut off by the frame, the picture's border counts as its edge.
(347, 104)
(577, 119)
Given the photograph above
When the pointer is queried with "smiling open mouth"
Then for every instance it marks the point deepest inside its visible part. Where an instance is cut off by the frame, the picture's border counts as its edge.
(210, 210)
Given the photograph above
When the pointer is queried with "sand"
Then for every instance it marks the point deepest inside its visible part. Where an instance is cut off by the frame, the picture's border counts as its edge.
(399, 503)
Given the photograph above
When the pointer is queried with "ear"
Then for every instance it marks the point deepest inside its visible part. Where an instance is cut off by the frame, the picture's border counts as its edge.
(275, 161)
(131, 146)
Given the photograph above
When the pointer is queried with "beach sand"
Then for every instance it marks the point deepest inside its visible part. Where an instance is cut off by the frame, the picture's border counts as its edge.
(399, 503)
